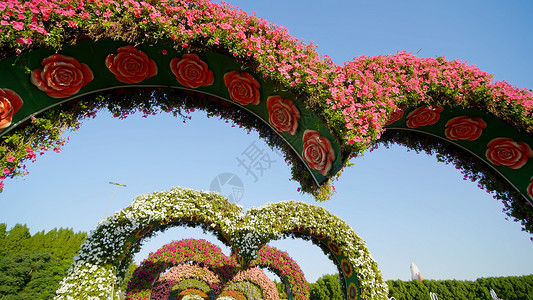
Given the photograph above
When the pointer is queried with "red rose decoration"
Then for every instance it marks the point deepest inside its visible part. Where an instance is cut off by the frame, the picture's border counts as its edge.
(464, 128)
(423, 116)
(395, 116)
(282, 114)
(130, 65)
(61, 76)
(242, 87)
(317, 152)
(508, 152)
(191, 71)
(10, 103)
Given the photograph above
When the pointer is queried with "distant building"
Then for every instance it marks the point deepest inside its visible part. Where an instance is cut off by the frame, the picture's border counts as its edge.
(415, 273)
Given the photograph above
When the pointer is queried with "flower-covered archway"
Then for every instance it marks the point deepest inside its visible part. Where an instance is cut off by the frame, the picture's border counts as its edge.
(106, 254)
(220, 272)
(66, 60)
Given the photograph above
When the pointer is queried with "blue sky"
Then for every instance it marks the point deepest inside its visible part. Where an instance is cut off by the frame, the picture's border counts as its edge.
(406, 206)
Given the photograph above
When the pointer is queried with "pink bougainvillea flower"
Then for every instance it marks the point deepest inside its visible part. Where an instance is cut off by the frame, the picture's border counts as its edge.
(508, 152)
(10, 103)
(424, 116)
(317, 151)
(282, 114)
(464, 128)
(130, 65)
(243, 87)
(61, 76)
(191, 71)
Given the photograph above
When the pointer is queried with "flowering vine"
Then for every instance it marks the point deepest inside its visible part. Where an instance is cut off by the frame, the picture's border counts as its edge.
(355, 100)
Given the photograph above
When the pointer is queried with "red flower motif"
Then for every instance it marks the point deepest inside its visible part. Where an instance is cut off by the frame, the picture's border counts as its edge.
(242, 87)
(352, 292)
(130, 65)
(191, 71)
(10, 103)
(317, 151)
(334, 248)
(282, 114)
(144, 231)
(508, 152)
(424, 116)
(464, 128)
(346, 268)
(61, 76)
(395, 116)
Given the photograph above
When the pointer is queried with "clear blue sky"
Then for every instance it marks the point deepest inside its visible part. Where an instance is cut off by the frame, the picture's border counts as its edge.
(407, 207)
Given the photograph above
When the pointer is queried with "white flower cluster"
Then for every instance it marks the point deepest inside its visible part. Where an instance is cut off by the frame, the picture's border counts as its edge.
(192, 297)
(226, 298)
(104, 257)
(285, 217)
(99, 266)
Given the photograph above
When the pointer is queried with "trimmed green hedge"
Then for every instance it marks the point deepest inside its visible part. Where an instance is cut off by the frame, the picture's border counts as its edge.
(508, 288)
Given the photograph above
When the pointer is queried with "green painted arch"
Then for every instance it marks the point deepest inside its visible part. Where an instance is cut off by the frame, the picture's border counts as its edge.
(352, 102)
(108, 251)
(487, 149)
(91, 61)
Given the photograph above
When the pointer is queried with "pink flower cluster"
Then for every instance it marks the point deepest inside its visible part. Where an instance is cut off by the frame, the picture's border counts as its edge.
(366, 89)
(284, 266)
(259, 277)
(219, 270)
(180, 252)
(362, 92)
(163, 286)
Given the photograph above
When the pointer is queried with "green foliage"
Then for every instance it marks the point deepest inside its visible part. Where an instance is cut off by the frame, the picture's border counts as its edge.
(516, 287)
(326, 287)
(30, 275)
(62, 244)
(282, 292)
(31, 267)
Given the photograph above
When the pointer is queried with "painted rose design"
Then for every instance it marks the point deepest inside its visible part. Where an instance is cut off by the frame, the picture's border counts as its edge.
(10, 103)
(464, 128)
(61, 76)
(395, 116)
(282, 114)
(191, 71)
(424, 116)
(508, 152)
(317, 151)
(243, 87)
(130, 65)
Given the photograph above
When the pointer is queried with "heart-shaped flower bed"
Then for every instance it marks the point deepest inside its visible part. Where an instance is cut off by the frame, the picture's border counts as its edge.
(219, 273)
(108, 251)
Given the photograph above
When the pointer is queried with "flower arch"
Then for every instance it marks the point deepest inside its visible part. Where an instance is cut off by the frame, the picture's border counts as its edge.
(108, 251)
(219, 271)
(169, 56)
